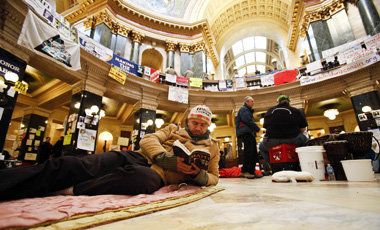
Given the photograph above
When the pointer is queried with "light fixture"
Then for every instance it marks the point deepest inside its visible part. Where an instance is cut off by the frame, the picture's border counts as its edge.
(92, 111)
(226, 139)
(77, 105)
(10, 78)
(262, 121)
(102, 113)
(366, 109)
(150, 122)
(105, 136)
(159, 122)
(331, 113)
(212, 127)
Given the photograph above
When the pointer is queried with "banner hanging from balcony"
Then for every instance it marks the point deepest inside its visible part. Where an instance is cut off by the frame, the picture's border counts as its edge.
(345, 69)
(178, 94)
(124, 64)
(182, 81)
(39, 36)
(285, 76)
(118, 75)
(196, 82)
(95, 48)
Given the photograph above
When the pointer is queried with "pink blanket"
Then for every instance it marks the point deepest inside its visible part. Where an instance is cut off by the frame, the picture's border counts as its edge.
(35, 211)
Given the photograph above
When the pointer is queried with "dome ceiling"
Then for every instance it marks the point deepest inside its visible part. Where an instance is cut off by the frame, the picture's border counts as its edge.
(173, 8)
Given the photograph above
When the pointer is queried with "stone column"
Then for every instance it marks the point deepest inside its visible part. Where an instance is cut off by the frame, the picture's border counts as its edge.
(92, 24)
(186, 58)
(8, 62)
(136, 43)
(144, 117)
(81, 129)
(199, 59)
(370, 16)
(170, 48)
(114, 32)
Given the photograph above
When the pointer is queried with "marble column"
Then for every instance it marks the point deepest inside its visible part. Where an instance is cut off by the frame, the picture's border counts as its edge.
(8, 62)
(186, 58)
(199, 60)
(136, 43)
(319, 32)
(370, 16)
(170, 48)
(32, 134)
(114, 32)
(80, 133)
(92, 23)
(367, 120)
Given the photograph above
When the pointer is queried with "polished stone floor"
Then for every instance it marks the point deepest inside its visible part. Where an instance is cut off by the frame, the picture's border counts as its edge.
(263, 204)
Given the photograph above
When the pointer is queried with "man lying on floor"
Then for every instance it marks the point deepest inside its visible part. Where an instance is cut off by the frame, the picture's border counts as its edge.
(124, 173)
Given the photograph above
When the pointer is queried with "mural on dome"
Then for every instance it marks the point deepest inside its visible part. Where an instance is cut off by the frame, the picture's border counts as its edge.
(174, 8)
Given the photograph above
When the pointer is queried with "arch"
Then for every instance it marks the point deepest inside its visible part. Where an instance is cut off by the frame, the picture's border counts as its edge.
(152, 58)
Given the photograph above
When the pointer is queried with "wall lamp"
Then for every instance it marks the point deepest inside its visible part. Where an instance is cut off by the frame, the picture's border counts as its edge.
(9, 80)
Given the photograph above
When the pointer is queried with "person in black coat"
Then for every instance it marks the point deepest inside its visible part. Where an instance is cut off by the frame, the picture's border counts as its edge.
(284, 124)
(45, 151)
(57, 148)
(246, 129)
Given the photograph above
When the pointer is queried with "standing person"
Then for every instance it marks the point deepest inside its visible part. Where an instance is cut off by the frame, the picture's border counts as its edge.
(121, 172)
(57, 148)
(246, 129)
(44, 151)
(284, 124)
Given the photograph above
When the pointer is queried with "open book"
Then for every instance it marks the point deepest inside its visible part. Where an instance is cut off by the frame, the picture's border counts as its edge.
(201, 157)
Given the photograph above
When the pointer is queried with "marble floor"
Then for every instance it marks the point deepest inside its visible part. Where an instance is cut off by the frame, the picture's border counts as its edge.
(262, 204)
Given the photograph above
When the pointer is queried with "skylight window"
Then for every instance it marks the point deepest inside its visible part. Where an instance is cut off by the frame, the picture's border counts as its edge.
(251, 69)
(261, 57)
(248, 43)
(240, 61)
(242, 72)
(250, 57)
(237, 48)
(260, 42)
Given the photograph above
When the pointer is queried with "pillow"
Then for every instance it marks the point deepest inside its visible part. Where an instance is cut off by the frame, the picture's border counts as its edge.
(294, 176)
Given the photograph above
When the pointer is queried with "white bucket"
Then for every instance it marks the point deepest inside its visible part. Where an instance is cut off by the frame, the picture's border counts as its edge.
(358, 170)
(311, 160)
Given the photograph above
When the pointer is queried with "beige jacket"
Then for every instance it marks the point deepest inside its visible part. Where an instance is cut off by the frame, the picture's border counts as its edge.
(161, 141)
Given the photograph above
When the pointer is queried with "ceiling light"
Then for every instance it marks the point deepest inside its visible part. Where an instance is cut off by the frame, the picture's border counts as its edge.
(212, 127)
(331, 113)
(366, 109)
(159, 122)
(262, 121)
(227, 139)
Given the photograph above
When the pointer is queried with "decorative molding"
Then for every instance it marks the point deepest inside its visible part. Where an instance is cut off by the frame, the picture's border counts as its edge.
(184, 47)
(199, 46)
(243, 10)
(137, 36)
(322, 11)
(170, 45)
(294, 30)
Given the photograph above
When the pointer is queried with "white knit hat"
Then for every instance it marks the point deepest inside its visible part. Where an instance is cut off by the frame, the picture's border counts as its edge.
(201, 112)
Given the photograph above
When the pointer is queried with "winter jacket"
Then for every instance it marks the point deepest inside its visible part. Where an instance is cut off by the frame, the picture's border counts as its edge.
(162, 141)
(245, 123)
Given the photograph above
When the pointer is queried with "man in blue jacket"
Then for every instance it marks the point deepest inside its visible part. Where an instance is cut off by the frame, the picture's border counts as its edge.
(246, 129)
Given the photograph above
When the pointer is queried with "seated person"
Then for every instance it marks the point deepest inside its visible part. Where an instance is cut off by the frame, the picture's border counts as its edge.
(284, 124)
(121, 172)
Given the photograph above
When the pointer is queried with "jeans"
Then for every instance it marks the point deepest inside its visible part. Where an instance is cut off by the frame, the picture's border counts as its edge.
(125, 173)
(264, 146)
(250, 153)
